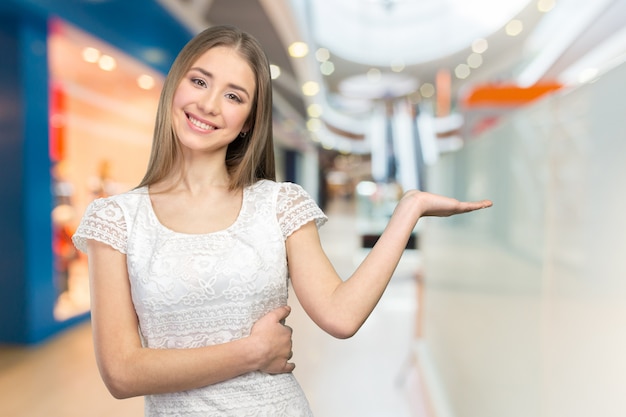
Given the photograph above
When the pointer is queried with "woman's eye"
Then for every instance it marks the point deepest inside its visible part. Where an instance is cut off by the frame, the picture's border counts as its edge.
(198, 82)
(232, 96)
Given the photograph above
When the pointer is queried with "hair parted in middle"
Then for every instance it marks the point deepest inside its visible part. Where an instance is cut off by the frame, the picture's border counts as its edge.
(249, 157)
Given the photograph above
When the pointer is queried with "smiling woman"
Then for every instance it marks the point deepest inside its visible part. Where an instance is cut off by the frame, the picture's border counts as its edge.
(199, 256)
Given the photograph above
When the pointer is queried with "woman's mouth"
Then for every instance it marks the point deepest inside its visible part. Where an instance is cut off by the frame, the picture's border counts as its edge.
(199, 124)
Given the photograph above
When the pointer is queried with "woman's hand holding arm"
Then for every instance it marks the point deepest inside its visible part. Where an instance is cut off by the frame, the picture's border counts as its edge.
(128, 369)
(341, 307)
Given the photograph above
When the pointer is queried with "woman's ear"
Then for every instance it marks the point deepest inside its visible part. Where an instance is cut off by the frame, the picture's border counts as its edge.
(245, 130)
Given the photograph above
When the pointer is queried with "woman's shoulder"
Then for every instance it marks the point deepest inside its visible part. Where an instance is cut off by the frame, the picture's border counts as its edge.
(109, 219)
(281, 186)
(278, 191)
(293, 205)
(123, 200)
(130, 195)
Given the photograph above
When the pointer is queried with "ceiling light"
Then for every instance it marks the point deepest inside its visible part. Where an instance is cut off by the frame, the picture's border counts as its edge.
(91, 55)
(322, 54)
(274, 71)
(514, 27)
(480, 45)
(314, 110)
(475, 60)
(314, 125)
(545, 6)
(427, 90)
(298, 49)
(327, 67)
(107, 63)
(462, 71)
(373, 75)
(310, 88)
(397, 65)
(145, 82)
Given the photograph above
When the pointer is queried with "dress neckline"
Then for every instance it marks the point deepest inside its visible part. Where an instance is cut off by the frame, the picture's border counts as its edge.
(146, 195)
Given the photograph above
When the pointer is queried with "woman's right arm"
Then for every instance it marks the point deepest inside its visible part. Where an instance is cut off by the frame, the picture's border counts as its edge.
(129, 370)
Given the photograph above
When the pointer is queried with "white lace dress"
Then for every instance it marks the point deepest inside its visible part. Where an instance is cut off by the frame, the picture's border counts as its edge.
(192, 290)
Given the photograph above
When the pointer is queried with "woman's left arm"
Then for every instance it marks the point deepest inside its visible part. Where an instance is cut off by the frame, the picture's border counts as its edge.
(341, 307)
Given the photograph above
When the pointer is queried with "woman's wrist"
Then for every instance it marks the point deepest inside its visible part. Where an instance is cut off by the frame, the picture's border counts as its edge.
(250, 353)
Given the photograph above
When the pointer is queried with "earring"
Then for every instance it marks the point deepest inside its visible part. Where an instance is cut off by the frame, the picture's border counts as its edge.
(243, 134)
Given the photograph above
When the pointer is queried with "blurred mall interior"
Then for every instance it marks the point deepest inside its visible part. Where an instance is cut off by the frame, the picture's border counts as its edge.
(516, 311)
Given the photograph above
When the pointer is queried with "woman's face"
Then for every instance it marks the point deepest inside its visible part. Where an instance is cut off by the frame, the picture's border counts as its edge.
(213, 100)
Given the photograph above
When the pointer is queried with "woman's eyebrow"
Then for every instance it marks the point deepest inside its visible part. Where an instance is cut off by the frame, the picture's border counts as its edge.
(231, 85)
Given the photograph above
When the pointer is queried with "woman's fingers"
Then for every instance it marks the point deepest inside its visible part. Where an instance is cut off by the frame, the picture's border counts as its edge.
(442, 206)
(274, 338)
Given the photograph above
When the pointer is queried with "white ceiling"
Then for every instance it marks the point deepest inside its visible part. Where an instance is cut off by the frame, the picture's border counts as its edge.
(381, 32)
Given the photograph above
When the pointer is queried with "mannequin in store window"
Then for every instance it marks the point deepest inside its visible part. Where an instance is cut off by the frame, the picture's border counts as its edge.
(189, 271)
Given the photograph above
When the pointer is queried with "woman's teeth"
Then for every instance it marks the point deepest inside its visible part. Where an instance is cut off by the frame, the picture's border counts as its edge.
(200, 124)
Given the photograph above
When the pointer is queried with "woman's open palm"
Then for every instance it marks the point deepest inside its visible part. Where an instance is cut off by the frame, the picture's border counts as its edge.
(441, 206)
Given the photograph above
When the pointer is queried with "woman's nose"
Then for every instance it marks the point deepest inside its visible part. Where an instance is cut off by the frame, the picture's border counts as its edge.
(210, 103)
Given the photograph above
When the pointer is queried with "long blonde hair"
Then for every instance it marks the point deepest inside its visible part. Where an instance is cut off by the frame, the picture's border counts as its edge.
(249, 158)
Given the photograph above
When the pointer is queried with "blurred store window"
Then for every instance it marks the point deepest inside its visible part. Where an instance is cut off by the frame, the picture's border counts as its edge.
(101, 120)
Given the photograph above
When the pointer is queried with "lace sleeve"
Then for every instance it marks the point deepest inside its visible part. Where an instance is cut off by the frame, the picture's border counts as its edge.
(295, 208)
(103, 221)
